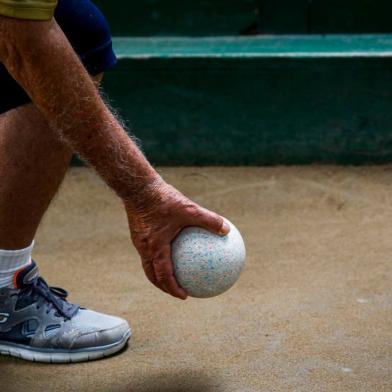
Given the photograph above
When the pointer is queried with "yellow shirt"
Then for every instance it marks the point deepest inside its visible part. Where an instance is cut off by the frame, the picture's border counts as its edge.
(28, 9)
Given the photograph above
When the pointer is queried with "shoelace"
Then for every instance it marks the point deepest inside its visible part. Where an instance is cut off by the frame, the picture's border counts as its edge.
(54, 297)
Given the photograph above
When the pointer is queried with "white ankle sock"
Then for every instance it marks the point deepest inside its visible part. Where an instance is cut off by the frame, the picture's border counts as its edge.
(11, 261)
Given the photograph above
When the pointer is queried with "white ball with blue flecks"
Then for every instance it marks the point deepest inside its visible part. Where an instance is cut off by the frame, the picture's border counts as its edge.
(206, 264)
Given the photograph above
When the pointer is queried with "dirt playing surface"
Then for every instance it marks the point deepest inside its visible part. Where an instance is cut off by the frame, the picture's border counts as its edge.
(311, 312)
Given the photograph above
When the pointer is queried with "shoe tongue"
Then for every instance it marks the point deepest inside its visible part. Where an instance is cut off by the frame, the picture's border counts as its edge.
(26, 275)
(29, 274)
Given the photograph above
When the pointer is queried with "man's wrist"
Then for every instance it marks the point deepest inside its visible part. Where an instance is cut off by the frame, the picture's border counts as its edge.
(145, 195)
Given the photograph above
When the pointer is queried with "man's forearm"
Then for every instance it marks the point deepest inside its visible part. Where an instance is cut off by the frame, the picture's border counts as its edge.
(39, 57)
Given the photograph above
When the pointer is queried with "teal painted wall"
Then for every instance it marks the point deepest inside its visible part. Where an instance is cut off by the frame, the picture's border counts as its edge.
(350, 16)
(283, 16)
(280, 100)
(178, 17)
(325, 16)
(230, 17)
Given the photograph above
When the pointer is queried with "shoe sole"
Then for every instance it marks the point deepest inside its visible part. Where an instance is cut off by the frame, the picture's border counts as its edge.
(62, 356)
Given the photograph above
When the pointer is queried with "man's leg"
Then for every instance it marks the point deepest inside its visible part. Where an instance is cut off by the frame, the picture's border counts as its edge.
(33, 162)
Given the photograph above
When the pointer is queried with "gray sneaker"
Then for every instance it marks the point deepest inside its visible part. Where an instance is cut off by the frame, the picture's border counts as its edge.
(38, 324)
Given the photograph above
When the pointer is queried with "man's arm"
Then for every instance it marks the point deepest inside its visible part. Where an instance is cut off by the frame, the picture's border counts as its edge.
(39, 57)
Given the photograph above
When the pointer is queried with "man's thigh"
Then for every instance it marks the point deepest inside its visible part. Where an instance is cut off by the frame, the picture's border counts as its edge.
(88, 32)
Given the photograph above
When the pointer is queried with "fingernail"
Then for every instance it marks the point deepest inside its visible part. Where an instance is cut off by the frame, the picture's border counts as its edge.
(225, 229)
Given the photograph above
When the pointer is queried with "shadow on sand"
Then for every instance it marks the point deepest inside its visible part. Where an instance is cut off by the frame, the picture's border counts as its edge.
(181, 381)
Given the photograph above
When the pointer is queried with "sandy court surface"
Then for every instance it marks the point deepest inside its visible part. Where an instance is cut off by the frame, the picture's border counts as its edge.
(312, 311)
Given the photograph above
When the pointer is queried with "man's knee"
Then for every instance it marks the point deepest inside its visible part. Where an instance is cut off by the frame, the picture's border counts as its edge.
(83, 23)
(88, 32)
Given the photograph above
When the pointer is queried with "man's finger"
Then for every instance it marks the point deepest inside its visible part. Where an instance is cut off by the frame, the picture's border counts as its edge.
(211, 221)
(150, 273)
(164, 274)
(174, 289)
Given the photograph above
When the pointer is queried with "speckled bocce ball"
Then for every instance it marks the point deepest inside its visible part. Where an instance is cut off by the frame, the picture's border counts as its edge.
(206, 264)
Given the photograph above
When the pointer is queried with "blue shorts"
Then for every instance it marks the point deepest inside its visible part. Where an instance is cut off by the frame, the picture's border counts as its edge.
(88, 32)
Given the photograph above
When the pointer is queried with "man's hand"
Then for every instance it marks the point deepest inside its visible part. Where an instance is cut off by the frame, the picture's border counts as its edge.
(163, 212)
